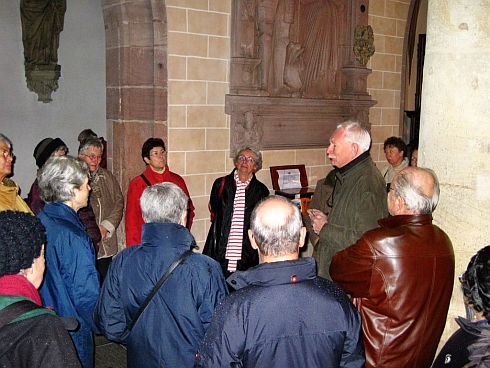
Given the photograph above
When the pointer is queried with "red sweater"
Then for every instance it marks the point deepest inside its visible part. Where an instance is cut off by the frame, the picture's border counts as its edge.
(134, 217)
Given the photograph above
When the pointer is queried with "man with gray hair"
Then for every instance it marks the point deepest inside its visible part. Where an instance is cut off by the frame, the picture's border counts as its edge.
(358, 199)
(282, 315)
(401, 275)
(170, 328)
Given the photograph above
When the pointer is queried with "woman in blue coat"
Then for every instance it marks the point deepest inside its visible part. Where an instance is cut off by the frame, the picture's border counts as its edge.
(71, 282)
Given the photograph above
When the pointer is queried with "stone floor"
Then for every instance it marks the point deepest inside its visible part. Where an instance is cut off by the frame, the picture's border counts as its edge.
(109, 354)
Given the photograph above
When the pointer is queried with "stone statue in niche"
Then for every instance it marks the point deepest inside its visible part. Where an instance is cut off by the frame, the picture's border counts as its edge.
(42, 22)
(247, 131)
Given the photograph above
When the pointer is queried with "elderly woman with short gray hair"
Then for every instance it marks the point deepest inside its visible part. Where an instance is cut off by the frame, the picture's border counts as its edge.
(71, 283)
(233, 197)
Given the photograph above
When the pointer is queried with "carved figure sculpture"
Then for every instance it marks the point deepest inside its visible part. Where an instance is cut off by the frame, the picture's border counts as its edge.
(274, 18)
(293, 69)
(42, 22)
(320, 32)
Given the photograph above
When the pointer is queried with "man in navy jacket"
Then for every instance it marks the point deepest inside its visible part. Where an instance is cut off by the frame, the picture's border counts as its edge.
(282, 314)
(169, 330)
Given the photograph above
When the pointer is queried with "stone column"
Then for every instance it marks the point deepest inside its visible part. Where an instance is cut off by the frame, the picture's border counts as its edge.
(455, 127)
(136, 94)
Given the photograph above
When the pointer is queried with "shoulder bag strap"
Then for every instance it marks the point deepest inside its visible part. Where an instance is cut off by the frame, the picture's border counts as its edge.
(221, 187)
(145, 179)
(15, 310)
(159, 284)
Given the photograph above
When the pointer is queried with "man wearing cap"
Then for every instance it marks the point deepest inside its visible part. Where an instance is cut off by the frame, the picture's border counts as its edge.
(282, 315)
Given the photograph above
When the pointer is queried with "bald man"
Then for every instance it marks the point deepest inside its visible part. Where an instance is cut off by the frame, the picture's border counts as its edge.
(282, 315)
(401, 275)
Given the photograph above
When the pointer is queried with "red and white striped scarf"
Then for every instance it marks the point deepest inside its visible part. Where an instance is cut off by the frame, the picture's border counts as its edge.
(235, 239)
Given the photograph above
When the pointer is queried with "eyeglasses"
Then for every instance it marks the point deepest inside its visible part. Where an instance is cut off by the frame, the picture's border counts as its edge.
(158, 153)
(414, 159)
(94, 157)
(250, 160)
(7, 154)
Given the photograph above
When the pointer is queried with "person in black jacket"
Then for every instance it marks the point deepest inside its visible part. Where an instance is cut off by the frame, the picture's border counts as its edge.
(233, 197)
(469, 346)
(34, 336)
(282, 315)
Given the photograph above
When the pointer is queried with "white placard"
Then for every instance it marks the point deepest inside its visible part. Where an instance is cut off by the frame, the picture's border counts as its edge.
(289, 179)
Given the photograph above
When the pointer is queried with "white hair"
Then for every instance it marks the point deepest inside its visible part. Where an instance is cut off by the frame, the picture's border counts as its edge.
(163, 203)
(413, 196)
(355, 133)
(281, 238)
(59, 176)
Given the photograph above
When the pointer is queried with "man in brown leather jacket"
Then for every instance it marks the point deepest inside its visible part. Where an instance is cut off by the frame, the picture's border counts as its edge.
(400, 276)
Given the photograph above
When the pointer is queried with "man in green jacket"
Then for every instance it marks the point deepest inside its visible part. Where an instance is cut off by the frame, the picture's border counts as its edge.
(359, 195)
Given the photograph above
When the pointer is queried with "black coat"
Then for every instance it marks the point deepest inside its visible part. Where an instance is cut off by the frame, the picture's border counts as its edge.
(283, 316)
(39, 341)
(467, 347)
(221, 208)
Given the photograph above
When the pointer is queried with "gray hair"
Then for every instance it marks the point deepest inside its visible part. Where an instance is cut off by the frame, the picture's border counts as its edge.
(254, 150)
(405, 185)
(355, 133)
(282, 237)
(59, 176)
(164, 203)
(7, 141)
(89, 142)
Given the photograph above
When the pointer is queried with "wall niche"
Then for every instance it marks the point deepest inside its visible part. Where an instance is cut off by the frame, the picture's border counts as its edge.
(298, 68)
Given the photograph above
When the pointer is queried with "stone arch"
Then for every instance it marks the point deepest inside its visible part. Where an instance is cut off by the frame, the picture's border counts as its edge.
(136, 81)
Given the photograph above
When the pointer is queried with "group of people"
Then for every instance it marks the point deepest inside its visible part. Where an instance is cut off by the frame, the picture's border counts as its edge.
(376, 292)
(80, 206)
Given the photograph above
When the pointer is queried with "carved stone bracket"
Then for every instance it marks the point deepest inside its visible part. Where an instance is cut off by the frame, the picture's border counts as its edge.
(43, 80)
(283, 123)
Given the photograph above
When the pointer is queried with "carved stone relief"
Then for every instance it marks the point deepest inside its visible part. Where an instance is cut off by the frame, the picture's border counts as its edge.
(296, 57)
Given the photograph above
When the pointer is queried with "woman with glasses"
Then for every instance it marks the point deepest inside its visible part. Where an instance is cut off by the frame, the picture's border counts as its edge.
(154, 155)
(233, 197)
(9, 190)
(470, 345)
(71, 283)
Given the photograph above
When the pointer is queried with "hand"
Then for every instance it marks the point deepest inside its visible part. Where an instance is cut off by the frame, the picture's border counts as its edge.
(318, 219)
(103, 232)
